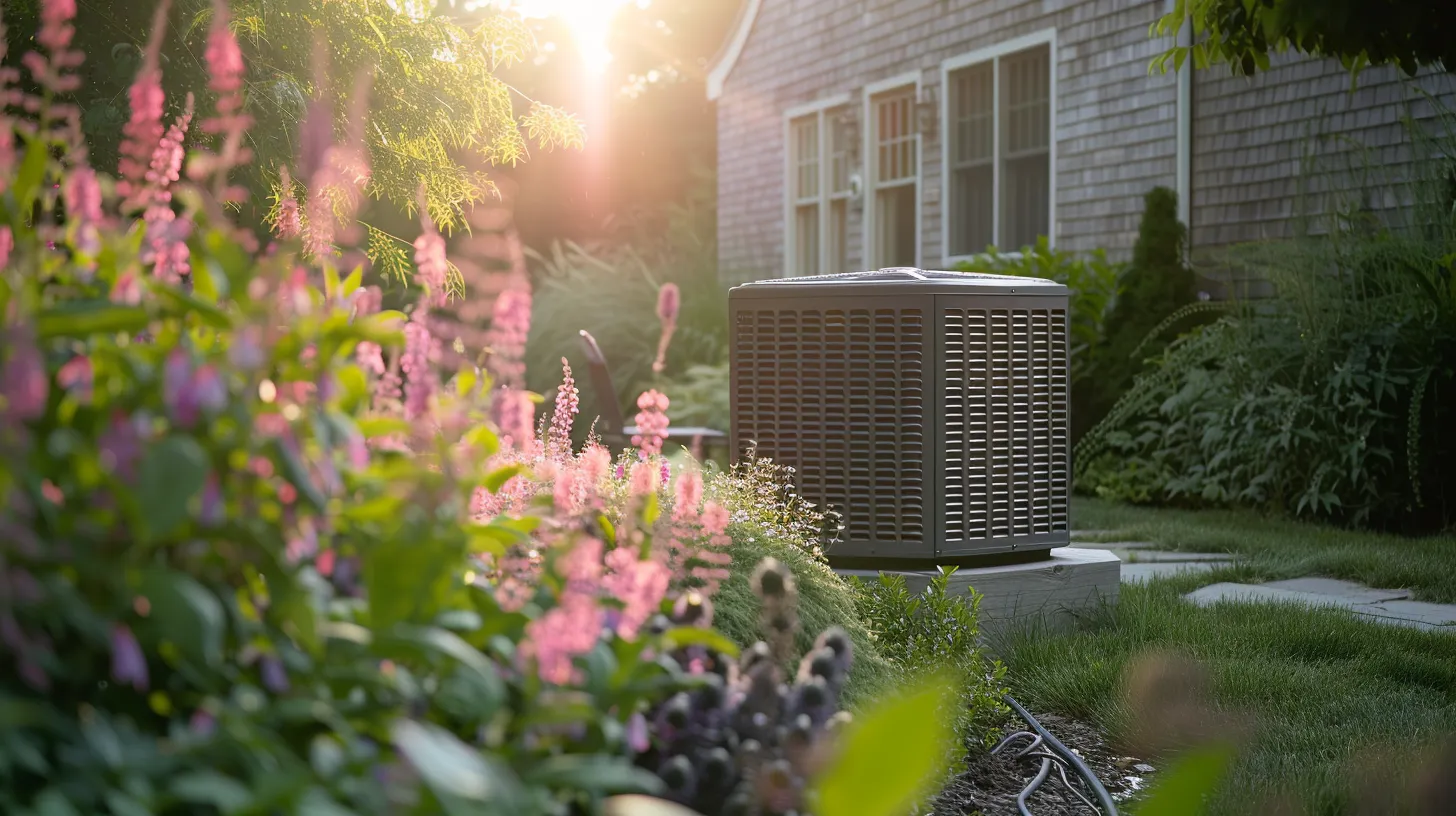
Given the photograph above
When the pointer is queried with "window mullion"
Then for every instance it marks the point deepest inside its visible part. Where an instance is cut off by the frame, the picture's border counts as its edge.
(996, 122)
(822, 197)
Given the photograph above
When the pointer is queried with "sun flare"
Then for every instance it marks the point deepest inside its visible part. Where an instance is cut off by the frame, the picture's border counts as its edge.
(589, 21)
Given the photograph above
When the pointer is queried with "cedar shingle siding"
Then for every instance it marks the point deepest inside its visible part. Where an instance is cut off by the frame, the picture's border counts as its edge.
(1115, 123)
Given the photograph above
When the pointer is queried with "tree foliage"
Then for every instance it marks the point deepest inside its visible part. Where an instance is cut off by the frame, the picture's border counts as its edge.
(1410, 34)
(439, 114)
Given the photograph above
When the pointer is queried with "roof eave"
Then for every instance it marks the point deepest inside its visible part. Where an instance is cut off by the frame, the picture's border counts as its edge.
(732, 49)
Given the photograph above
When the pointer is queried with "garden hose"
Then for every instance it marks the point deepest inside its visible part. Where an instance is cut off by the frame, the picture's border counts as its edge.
(1044, 737)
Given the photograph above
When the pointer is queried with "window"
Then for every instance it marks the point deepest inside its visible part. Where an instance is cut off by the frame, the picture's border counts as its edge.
(999, 147)
(818, 191)
(894, 188)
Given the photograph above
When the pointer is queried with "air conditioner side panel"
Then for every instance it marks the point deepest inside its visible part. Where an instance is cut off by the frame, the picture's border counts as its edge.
(840, 389)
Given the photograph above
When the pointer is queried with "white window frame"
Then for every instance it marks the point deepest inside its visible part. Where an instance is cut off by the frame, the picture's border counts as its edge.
(819, 108)
(909, 79)
(994, 53)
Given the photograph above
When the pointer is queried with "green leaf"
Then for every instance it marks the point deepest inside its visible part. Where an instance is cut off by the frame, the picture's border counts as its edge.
(452, 768)
(694, 636)
(172, 472)
(495, 480)
(186, 613)
(449, 644)
(406, 579)
(84, 318)
(212, 788)
(298, 474)
(890, 754)
(26, 184)
(594, 774)
(1184, 787)
(317, 802)
(124, 805)
(186, 303)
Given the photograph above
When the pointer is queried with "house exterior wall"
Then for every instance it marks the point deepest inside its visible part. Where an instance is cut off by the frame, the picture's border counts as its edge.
(1114, 123)
(1295, 140)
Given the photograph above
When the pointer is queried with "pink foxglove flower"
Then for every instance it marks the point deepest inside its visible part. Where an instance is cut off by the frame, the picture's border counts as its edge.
(24, 383)
(669, 303)
(568, 404)
(515, 416)
(644, 480)
(76, 377)
(689, 494)
(225, 78)
(128, 664)
(289, 224)
(652, 422)
(420, 378)
(430, 260)
(143, 131)
(510, 326)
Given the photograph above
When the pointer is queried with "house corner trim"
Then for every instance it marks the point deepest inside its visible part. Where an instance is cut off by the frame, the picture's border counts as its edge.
(728, 57)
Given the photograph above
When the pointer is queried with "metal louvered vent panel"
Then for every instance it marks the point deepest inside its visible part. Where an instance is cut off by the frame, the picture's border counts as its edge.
(839, 395)
(1005, 415)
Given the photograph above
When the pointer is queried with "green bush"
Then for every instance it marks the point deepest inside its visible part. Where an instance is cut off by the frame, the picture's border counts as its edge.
(1329, 400)
(936, 631)
(612, 292)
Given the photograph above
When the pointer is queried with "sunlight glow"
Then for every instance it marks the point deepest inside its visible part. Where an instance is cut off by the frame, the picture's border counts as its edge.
(590, 23)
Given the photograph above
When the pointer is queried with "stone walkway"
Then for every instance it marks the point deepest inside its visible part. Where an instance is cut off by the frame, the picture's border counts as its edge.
(1142, 561)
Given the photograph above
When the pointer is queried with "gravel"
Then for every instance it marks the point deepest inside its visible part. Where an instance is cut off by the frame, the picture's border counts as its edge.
(990, 784)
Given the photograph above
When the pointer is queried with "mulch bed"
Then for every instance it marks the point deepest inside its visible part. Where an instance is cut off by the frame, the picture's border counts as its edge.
(990, 784)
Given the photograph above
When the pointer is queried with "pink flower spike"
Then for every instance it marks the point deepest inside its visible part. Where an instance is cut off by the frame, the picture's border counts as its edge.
(689, 494)
(76, 377)
(7, 245)
(128, 664)
(652, 422)
(644, 479)
(568, 401)
(23, 379)
(715, 519)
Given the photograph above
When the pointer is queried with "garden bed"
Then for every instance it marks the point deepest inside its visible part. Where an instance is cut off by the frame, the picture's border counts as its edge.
(990, 783)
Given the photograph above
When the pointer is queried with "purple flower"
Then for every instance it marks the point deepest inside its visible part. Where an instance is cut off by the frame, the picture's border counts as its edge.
(637, 738)
(213, 509)
(275, 678)
(247, 349)
(23, 380)
(128, 664)
(203, 723)
(76, 376)
(120, 445)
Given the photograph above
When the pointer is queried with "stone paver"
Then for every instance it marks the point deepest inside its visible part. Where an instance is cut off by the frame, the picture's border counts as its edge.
(1382, 606)
(1356, 593)
(1142, 573)
(1170, 557)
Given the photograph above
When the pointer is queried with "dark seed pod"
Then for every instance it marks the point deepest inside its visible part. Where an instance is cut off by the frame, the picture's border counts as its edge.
(718, 769)
(772, 581)
(692, 609)
(837, 640)
(658, 625)
(677, 774)
(678, 711)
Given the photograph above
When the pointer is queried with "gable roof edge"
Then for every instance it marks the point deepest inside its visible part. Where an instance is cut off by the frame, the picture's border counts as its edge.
(728, 57)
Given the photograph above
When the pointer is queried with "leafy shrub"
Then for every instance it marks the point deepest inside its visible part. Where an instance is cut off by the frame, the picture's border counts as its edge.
(612, 292)
(700, 396)
(258, 554)
(1328, 400)
(934, 632)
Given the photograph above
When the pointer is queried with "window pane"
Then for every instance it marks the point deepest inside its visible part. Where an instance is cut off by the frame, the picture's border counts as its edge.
(804, 144)
(971, 101)
(806, 240)
(838, 235)
(1026, 172)
(1025, 184)
(838, 151)
(894, 137)
(895, 226)
(970, 215)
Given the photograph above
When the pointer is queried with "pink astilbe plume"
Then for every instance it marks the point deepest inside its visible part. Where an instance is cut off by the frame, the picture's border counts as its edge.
(54, 70)
(556, 638)
(510, 326)
(289, 224)
(419, 351)
(430, 262)
(143, 131)
(166, 238)
(568, 404)
(515, 415)
(652, 422)
(83, 201)
(338, 173)
(225, 78)
(669, 303)
(10, 97)
(7, 245)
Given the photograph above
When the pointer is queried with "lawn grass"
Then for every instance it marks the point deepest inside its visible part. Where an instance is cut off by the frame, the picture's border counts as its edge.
(1328, 695)
(1279, 548)
(1331, 699)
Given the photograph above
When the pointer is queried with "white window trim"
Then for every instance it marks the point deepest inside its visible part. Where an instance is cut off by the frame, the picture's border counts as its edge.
(1047, 37)
(869, 153)
(816, 107)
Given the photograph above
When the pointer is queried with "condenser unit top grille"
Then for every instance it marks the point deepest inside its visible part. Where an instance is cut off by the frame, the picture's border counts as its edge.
(901, 280)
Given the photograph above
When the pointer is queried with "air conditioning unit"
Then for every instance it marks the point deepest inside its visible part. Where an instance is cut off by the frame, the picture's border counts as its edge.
(929, 409)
